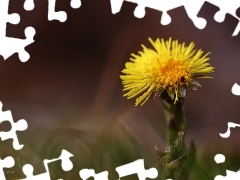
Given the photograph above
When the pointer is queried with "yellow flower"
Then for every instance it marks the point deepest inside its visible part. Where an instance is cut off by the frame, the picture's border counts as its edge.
(169, 67)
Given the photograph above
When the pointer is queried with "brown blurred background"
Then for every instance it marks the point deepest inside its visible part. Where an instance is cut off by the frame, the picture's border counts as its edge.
(74, 67)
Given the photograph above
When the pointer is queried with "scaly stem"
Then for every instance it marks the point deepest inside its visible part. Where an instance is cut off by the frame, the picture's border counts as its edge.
(172, 158)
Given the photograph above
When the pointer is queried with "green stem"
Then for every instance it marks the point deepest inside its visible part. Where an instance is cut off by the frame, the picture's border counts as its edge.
(174, 158)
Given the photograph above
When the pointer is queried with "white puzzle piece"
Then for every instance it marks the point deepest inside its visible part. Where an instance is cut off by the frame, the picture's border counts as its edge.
(192, 8)
(7, 162)
(20, 125)
(137, 167)
(67, 165)
(9, 45)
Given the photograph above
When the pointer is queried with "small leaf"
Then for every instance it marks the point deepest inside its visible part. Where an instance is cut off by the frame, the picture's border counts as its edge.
(161, 153)
(182, 91)
(177, 163)
(194, 85)
(158, 92)
(180, 138)
(171, 94)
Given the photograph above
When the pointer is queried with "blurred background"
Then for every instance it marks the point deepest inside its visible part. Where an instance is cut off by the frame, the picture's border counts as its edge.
(70, 92)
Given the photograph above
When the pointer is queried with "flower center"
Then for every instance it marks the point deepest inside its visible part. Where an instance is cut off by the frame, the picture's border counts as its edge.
(172, 74)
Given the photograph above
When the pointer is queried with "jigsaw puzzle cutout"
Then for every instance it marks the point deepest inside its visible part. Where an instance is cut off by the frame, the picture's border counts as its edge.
(60, 15)
(228, 132)
(192, 8)
(29, 5)
(20, 125)
(228, 26)
(220, 158)
(7, 162)
(75, 4)
(53, 15)
(87, 173)
(66, 164)
(227, 8)
(9, 45)
(137, 167)
(236, 89)
(163, 6)
(230, 175)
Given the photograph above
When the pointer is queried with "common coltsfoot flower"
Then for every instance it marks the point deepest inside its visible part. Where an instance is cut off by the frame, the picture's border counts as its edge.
(170, 66)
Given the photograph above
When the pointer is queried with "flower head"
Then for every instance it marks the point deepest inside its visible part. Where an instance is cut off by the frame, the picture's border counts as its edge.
(169, 67)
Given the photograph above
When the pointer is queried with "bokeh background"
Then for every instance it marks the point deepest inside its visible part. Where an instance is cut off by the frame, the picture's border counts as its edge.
(70, 92)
